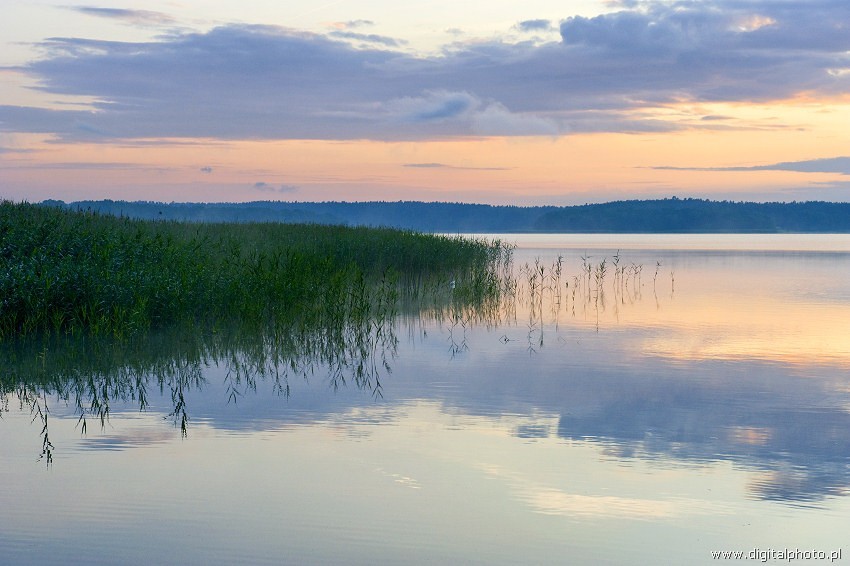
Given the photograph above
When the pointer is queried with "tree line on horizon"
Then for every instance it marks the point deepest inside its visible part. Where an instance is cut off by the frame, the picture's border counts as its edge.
(669, 215)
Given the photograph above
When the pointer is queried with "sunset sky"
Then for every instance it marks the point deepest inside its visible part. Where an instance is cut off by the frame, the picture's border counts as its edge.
(501, 102)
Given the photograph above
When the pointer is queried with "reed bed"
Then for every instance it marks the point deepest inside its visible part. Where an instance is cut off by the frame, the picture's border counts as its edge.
(80, 273)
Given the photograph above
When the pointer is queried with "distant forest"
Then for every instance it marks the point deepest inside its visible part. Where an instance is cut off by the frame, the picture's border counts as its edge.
(671, 215)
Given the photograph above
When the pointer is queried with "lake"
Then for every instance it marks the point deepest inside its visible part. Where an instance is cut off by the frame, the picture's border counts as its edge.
(642, 399)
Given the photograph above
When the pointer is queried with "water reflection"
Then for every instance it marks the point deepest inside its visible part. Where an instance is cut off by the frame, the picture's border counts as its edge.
(802, 450)
(354, 349)
(92, 375)
(671, 359)
(729, 364)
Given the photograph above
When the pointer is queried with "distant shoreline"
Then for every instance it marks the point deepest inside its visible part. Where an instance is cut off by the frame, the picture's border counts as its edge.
(662, 216)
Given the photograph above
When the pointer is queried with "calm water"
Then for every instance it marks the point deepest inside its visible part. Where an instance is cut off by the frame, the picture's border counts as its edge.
(695, 399)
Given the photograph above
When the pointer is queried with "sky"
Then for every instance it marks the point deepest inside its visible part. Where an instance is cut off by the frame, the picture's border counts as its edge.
(526, 103)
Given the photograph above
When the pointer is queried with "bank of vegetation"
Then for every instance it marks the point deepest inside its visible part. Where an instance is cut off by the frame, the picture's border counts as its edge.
(670, 215)
(81, 272)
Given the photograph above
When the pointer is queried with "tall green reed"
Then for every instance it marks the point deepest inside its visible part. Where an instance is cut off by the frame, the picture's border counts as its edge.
(67, 272)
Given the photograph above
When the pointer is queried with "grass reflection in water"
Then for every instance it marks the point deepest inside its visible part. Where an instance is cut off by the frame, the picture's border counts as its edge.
(97, 308)
(93, 373)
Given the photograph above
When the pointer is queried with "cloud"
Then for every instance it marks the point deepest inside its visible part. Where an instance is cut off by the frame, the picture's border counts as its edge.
(266, 187)
(267, 82)
(741, 50)
(16, 150)
(465, 112)
(433, 106)
(839, 165)
(497, 120)
(535, 25)
(352, 24)
(426, 165)
(88, 166)
(453, 167)
(622, 3)
(369, 38)
(134, 17)
(826, 165)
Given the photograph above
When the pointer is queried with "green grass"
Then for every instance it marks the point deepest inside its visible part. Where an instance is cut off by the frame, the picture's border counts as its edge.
(78, 273)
